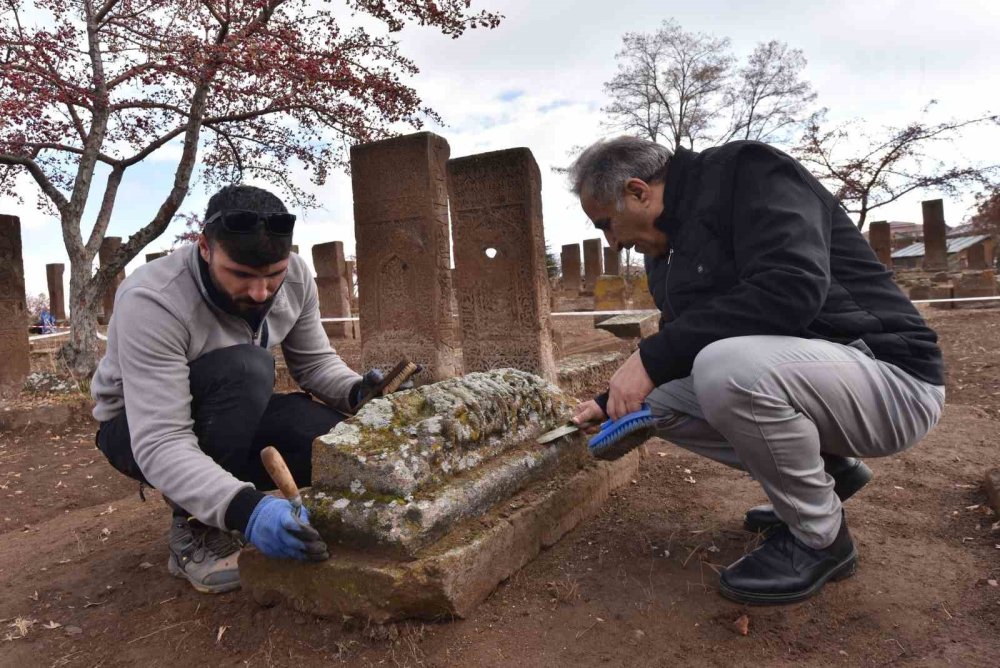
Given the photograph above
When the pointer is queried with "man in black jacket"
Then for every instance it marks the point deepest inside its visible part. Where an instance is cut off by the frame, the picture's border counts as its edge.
(785, 349)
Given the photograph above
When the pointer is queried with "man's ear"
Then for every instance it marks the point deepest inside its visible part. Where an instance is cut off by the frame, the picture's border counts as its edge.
(204, 248)
(638, 189)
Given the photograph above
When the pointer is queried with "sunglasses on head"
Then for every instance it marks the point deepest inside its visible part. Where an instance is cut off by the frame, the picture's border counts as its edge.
(239, 221)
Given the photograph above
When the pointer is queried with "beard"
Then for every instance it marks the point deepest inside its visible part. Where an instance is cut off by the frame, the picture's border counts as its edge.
(242, 307)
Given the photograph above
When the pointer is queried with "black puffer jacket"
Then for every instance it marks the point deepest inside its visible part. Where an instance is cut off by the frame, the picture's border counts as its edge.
(758, 246)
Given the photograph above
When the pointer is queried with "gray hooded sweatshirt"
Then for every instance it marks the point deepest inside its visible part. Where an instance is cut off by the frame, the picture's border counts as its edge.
(164, 319)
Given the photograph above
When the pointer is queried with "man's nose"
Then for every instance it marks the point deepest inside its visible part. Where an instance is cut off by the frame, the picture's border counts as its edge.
(258, 291)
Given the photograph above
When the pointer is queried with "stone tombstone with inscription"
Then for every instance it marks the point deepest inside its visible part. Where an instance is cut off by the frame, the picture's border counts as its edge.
(935, 236)
(57, 297)
(109, 248)
(570, 262)
(403, 250)
(593, 258)
(334, 294)
(501, 281)
(14, 357)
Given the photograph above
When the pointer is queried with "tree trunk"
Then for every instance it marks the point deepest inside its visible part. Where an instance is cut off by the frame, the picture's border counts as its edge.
(80, 353)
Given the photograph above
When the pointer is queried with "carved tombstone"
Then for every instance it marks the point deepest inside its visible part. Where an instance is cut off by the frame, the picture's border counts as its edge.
(14, 359)
(57, 297)
(612, 262)
(500, 272)
(109, 248)
(401, 228)
(334, 297)
(935, 236)
(570, 262)
(880, 238)
(593, 255)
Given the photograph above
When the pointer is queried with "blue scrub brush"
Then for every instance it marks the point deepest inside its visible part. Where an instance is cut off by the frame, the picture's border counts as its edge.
(618, 437)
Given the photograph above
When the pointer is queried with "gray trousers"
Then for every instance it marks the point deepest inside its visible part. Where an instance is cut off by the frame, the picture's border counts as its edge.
(769, 405)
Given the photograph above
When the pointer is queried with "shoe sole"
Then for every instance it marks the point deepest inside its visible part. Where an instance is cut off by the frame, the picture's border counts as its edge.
(178, 572)
(842, 571)
(864, 476)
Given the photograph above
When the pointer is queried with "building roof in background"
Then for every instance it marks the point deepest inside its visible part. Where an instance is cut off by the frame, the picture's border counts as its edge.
(955, 245)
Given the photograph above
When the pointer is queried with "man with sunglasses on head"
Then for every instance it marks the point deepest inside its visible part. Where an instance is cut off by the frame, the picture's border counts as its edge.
(184, 393)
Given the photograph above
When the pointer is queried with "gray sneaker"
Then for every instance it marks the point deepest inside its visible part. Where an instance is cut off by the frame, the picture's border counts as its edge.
(205, 556)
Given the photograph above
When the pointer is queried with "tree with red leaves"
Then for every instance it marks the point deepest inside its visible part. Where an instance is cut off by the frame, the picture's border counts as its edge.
(240, 88)
(868, 169)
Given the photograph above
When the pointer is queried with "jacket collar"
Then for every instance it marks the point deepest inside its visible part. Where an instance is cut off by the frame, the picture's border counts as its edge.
(678, 171)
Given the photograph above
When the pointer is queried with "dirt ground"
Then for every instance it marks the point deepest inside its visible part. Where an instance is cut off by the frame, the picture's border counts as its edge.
(83, 579)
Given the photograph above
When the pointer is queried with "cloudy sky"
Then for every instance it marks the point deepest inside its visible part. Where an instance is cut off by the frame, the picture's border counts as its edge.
(536, 81)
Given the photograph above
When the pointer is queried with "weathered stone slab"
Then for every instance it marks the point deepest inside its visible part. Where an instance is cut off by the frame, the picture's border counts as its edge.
(975, 257)
(636, 325)
(454, 576)
(880, 238)
(935, 236)
(587, 374)
(570, 263)
(409, 466)
(334, 295)
(642, 298)
(942, 292)
(976, 284)
(609, 295)
(593, 258)
(501, 279)
(401, 228)
(612, 262)
(57, 298)
(15, 360)
(108, 250)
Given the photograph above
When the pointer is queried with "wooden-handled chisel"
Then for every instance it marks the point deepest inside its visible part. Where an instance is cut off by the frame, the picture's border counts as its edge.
(282, 477)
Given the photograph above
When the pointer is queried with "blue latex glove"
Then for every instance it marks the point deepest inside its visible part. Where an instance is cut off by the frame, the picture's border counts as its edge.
(276, 531)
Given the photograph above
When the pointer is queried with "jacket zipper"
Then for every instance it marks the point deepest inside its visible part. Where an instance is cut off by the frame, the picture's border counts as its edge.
(666, 294)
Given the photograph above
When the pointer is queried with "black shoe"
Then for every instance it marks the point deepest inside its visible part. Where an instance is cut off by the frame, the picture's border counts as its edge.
(849, 476)
(785, 570)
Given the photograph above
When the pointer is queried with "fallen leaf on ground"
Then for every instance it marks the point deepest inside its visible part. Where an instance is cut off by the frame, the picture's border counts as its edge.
(742, 625)
(222, 629)
(73, 630)
(51, 625)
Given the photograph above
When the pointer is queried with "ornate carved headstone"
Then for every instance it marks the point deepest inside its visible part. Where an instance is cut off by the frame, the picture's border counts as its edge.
(334, 297)
(593, 257)
(570, 262)
(109, 248)
(14, 359)
(880, 238)
(57, 297)
(401, 227)
(935, 236)
(612, 262)
(501, 281)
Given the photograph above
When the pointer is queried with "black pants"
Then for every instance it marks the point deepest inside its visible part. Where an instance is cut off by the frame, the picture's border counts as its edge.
(236, 415)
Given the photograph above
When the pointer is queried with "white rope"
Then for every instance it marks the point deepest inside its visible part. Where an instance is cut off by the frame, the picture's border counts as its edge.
(955, 299)
(39, 337)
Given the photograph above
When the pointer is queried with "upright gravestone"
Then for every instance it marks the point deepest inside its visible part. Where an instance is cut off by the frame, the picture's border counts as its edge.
(334, 298)
(612, 262)
(975, 257)
(593, 255)
(935, 236)
(880, 238)
(155, 256)
(57, 297)
(109, 248)
(14, 359)
(570, 262)
(501, 280)
(403, 248)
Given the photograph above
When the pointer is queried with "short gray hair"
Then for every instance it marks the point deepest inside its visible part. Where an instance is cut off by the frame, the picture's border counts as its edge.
(603, 168)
